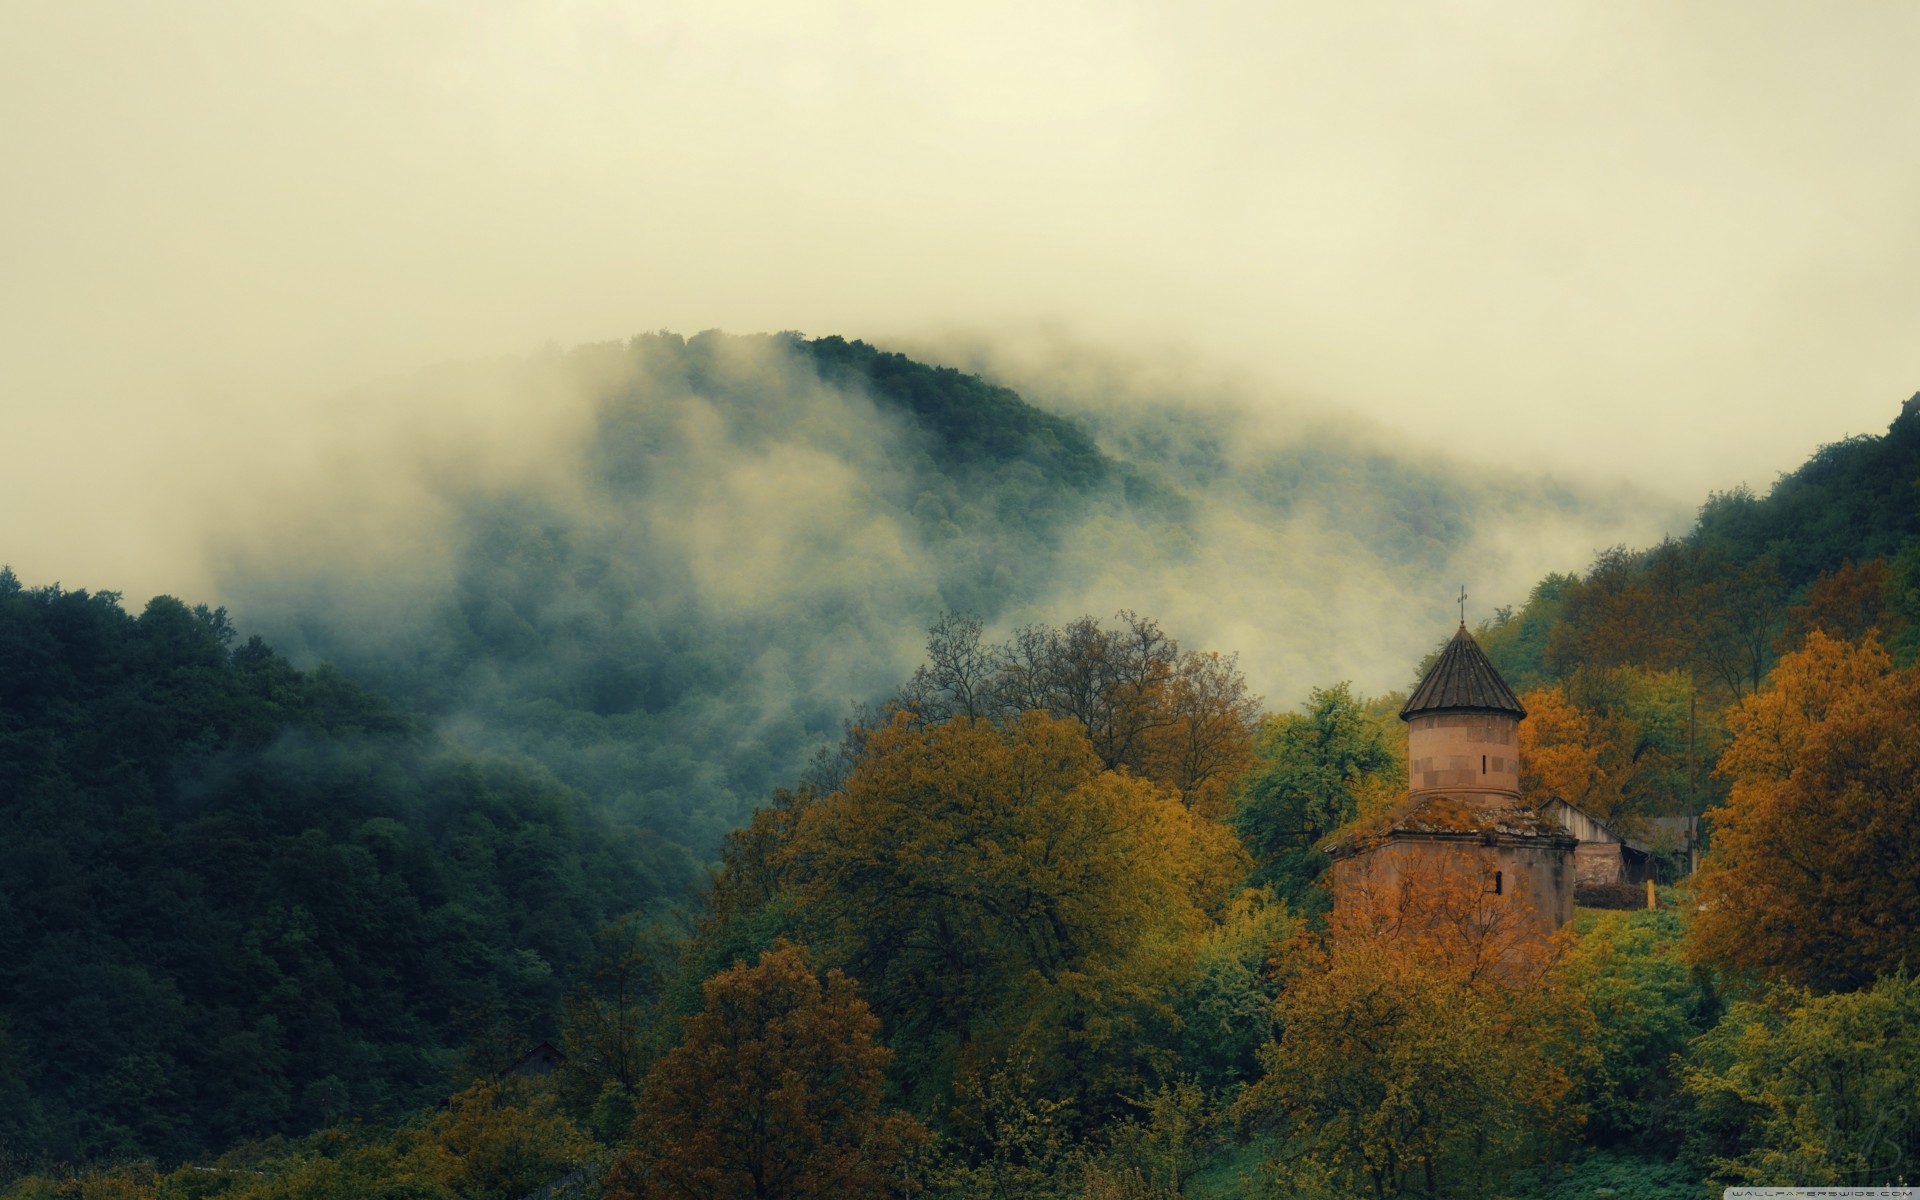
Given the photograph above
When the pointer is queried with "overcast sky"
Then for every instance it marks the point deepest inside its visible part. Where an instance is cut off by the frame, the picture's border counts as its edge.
(1677, 243)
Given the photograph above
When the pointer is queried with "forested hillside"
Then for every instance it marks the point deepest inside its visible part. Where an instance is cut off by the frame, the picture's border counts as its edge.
(1045, 918)
(1632, 669)
(753, 533)
(239, 899)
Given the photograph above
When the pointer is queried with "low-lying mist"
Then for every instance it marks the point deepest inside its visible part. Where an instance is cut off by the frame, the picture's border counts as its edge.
(665, 568)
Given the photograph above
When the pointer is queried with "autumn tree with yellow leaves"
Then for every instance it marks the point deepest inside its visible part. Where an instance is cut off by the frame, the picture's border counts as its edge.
(774, 1093)
(1814, 876)
(1422, 1040)
(977, 877)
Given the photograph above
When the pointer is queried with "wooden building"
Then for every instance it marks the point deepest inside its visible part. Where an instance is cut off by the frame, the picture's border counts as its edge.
(1668, 849)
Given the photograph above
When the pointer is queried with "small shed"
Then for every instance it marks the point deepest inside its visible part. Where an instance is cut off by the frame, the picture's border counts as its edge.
(1676, 836)
(1603, 855)
(542, 1060)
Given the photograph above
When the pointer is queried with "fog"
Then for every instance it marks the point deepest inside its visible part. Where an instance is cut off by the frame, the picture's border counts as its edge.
(668, 569)
(1621, 255)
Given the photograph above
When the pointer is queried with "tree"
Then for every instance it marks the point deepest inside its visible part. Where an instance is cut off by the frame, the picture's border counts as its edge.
(1677, 606)
(1226, 1005)
(1314, 771)
(1007, 900)
(960, 677)
(491, 1144)
(1739, 619)
(1847, 604)
(1796, 1089)
(1612, 743)
(1561, 756)
(1814, 875)
(1645, 1003)
(1109, 680)
(1182, 719)
(774, 1093)
(1621, 612)
(960, 858)
(1208, 744)
(608, 1018)
(1414, 1040)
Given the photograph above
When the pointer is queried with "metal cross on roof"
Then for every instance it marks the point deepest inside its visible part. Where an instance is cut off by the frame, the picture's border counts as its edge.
(1463, 604)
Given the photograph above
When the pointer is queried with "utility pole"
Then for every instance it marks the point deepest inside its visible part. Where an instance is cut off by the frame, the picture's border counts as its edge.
(1693, 812)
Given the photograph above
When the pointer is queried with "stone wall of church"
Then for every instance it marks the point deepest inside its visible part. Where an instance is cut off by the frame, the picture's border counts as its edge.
(1464, 752)
(1533, 879)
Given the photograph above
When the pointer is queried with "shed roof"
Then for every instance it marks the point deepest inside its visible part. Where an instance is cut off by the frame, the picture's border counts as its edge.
(1462, 681)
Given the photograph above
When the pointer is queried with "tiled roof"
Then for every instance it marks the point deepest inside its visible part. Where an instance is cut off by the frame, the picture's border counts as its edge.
(1463, 680)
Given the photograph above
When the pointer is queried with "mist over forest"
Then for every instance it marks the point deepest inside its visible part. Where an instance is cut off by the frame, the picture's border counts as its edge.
(957, 727)
(666, 568)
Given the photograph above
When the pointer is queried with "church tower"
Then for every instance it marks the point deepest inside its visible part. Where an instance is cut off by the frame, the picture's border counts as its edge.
(1463, 728)
(1464, 816)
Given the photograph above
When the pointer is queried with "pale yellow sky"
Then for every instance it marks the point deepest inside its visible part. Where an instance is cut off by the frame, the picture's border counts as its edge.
(1675, 243)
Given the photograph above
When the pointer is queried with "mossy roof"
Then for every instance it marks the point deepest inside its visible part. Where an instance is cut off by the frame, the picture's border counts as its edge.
(1447, 816)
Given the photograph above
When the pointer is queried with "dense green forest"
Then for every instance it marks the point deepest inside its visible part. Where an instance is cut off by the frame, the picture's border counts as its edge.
(1046, 918)
(239, 899)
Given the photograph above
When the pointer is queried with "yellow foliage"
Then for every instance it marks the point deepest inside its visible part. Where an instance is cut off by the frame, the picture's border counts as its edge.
(1771, 727)
(774, 1093)
(1003, 895)
(1560, 755)
(488, 1143)
(959, 859)
(1813, 876)
(1410, 1039)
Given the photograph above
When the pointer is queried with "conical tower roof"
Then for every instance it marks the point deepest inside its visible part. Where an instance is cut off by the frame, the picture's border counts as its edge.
(1462, 681)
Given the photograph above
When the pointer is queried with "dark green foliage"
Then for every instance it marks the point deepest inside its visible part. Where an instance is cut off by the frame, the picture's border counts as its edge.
(1516, 642)
(1316, 768)
(1226, 1005)
(1855, 499)
(967, 421)
(238, 899)
(1608, 1175)
(1903, 599)
(1713, 604)
(677, 635)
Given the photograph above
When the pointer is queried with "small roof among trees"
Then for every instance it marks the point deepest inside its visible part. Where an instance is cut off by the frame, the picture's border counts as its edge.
(1462, 680)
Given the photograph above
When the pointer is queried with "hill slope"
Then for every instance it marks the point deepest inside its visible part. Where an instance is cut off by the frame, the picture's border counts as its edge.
(749, 533)
(237, 899)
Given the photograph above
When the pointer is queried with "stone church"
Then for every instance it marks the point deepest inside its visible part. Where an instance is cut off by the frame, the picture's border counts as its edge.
(1464, 813)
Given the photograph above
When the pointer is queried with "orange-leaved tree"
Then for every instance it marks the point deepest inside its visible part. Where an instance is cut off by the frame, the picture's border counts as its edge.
(774, 1093)
(1612, 743)
(1847, 603)
(1564, 756)
(1814, 873)
(1415, 1046)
